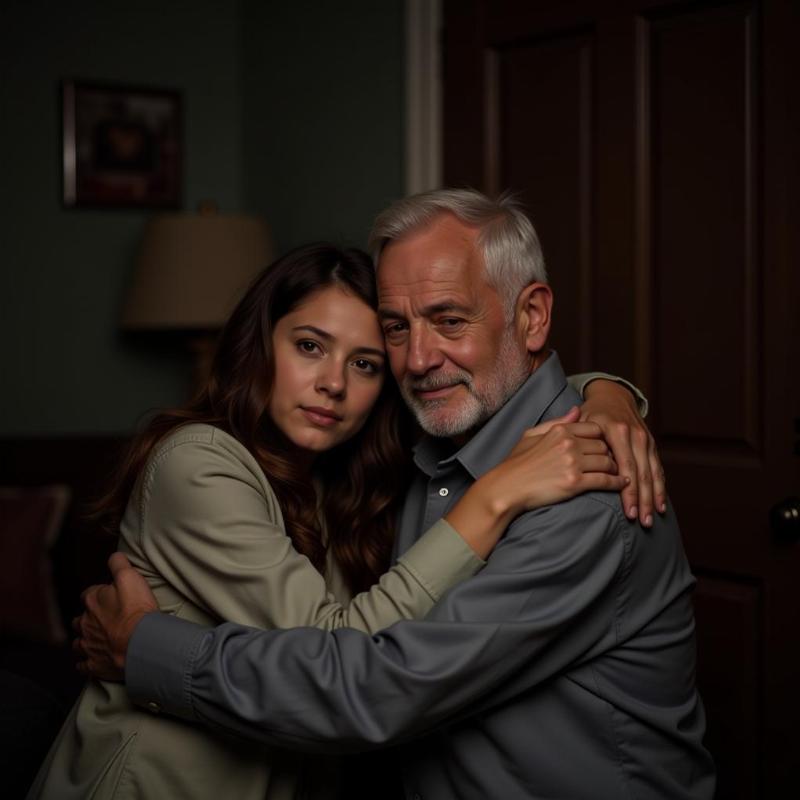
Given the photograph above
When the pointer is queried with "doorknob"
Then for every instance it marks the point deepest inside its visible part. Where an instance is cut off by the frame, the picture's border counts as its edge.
(784, 519)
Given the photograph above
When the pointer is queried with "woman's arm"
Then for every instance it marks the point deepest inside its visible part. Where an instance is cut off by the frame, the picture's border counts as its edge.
(586, 383)
(212, 530)
(552, 462)
(550, 467)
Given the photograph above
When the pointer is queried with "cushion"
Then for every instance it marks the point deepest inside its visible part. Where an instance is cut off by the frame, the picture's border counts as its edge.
(30, 521)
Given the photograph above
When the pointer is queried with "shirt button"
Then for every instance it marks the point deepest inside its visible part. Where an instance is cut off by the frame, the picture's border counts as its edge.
(443, 492)
(154, 707)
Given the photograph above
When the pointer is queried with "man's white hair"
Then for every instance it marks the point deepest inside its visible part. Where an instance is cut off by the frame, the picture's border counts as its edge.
(512, 255)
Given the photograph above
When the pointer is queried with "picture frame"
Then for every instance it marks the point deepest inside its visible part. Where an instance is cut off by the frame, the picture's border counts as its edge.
(122, 146)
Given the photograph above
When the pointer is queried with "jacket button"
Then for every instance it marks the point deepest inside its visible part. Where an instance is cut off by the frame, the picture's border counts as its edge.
(155, 708)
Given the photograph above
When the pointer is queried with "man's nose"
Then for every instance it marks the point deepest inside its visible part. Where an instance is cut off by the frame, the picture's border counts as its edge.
(423, 351)
(331, 378)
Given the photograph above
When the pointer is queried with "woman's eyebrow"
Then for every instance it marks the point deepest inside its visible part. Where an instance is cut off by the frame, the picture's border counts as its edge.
(313, 329)
(371, 350)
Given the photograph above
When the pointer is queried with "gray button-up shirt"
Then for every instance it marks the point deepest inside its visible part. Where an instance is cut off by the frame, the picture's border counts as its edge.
(565, 669)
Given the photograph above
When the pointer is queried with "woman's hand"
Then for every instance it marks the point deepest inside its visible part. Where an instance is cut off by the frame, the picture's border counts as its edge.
(555, 461)
(613, 407)
(552, 462)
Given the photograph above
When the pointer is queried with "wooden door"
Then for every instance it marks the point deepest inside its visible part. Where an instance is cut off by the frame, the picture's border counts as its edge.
(656, 147)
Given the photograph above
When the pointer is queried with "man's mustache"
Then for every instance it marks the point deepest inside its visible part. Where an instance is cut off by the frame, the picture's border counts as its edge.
(438, 380)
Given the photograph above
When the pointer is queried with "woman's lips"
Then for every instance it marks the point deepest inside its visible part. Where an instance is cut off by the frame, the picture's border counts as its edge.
(321, 416)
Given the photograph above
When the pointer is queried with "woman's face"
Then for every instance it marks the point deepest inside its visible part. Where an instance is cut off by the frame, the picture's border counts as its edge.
(329, 369)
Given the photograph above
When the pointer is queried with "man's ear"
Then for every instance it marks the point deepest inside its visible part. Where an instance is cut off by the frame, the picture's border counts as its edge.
(534, 313)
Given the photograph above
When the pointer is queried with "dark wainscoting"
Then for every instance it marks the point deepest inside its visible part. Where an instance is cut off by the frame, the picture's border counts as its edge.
(38, 681)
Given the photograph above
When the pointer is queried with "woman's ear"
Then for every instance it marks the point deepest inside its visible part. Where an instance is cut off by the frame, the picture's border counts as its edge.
(534, 312)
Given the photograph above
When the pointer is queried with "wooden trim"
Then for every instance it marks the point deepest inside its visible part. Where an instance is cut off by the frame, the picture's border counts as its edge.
(423, 99)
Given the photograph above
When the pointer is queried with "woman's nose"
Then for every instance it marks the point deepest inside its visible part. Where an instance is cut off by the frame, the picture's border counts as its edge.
(331, 379)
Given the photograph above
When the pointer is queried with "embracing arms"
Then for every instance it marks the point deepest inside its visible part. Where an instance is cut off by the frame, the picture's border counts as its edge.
(535, 609)
(207, 531)
(107, 625)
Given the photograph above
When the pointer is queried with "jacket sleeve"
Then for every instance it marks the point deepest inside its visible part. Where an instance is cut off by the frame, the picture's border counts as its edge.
(211, 529)
(580, 381)
(547, 598)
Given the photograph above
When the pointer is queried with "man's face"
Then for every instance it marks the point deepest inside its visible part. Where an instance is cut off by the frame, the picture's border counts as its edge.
(455, 356)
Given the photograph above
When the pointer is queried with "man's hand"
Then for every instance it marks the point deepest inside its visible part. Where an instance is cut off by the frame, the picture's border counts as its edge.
(611, 406)
(105, 627)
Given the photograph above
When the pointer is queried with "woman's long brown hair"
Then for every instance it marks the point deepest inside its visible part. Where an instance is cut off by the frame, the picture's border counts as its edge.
(363, 479)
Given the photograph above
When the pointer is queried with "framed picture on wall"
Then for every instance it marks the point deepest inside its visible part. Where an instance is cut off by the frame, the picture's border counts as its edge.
(122, 146)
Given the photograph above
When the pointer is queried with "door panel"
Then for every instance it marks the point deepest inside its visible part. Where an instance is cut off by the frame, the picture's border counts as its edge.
(549, 157)
(728, 613)
(702, 129)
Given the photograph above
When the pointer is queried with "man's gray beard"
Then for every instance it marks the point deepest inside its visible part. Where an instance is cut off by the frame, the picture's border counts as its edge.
(512, 369)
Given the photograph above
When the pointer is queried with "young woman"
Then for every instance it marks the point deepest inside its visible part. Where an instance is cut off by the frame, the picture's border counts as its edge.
(270, 501)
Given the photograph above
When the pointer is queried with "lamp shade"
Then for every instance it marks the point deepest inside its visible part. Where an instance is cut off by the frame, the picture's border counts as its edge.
(193, 268)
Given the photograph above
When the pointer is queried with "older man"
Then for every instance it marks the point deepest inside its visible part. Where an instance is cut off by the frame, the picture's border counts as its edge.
(566, 667)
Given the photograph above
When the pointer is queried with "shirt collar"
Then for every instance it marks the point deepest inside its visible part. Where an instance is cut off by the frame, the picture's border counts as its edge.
(492, 443)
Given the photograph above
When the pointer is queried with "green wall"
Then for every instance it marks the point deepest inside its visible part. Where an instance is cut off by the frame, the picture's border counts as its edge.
(292, 110)
(323, 102)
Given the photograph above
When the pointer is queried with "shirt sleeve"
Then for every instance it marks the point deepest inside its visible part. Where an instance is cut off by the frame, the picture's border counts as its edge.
(211, 529)
(548, 598)
(582, 380)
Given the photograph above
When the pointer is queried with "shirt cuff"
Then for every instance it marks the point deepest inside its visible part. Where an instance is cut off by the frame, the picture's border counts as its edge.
(581, 381)
(159, 661)
(441, 559)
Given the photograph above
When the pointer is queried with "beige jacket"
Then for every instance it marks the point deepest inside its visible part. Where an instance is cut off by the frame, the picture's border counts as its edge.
(204, 527)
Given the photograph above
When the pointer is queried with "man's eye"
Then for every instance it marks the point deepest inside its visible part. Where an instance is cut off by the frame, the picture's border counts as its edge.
(450, 322)
(395, 328)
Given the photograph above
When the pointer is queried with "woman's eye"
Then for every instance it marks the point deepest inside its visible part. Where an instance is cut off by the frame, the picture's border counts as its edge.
(365, 365)
(307, 346)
